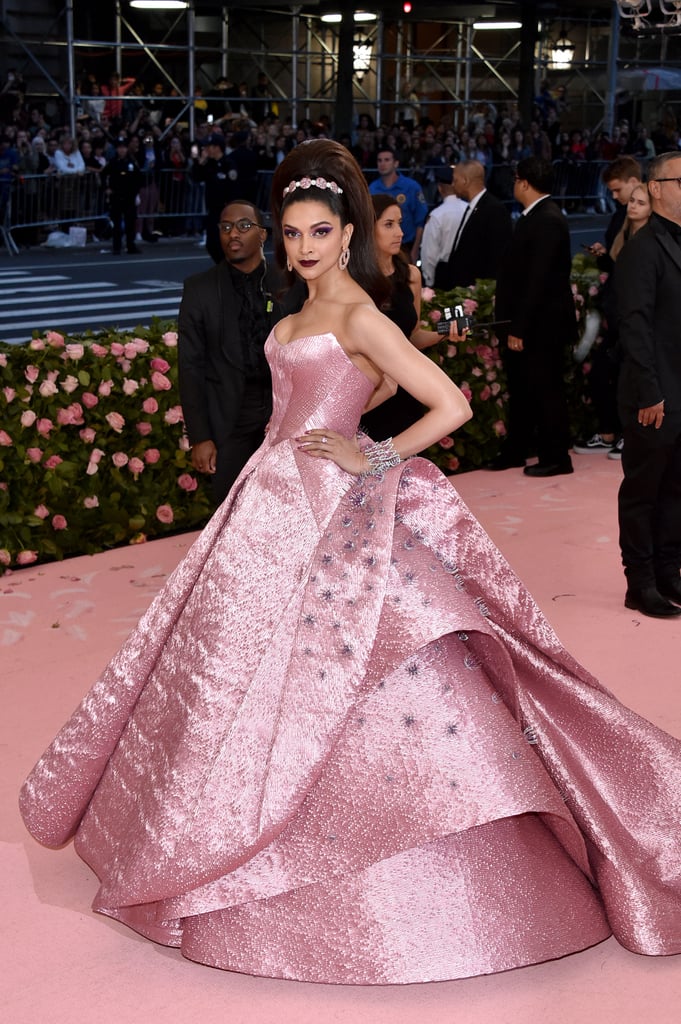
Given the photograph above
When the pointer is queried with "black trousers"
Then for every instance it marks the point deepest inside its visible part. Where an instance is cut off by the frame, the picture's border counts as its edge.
(603, 384)
(649, 500)
(123, 211)
(235, 449)
(537, 406)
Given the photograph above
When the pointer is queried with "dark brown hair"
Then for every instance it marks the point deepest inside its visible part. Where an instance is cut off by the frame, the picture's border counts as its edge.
(325, 158)
(381, 203)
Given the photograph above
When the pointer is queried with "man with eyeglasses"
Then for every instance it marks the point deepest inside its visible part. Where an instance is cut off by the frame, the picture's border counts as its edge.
(648, 300)
(225, 317)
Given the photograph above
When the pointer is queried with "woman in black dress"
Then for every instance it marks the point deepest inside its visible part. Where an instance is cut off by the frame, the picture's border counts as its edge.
(403, 307)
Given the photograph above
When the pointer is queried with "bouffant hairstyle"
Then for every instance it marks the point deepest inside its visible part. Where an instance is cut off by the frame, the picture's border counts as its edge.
(381, 203)
(325, 158)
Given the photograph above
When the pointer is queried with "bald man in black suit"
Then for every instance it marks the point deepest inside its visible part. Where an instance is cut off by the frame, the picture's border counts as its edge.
(485, 230)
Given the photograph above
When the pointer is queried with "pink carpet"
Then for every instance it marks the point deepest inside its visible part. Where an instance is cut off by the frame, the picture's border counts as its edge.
(60, 623)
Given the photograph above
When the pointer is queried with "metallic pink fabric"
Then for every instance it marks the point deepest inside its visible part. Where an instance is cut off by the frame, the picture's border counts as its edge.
(344, 744)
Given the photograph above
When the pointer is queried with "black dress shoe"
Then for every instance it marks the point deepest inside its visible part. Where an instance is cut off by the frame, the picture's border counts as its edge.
(549, 469)
(649, 601)
(504, 462)
(671, 589)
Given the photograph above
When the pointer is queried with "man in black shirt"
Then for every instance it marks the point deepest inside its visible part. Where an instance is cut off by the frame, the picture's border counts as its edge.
(226, 315)
(220, 175)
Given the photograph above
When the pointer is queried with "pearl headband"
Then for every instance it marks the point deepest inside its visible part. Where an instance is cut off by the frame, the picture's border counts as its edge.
(321, 183)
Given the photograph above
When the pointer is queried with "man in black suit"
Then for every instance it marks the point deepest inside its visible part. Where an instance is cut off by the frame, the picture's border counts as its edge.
(225, 317)
(484, 232)
(648, 303)
(535, 294)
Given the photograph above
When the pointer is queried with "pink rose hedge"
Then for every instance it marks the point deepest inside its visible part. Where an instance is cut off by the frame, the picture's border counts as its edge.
(92, 452)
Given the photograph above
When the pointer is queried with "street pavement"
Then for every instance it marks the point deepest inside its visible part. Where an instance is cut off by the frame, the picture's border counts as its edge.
(76, 290)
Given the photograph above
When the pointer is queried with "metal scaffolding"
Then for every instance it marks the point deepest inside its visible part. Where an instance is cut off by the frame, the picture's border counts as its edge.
(304, 58)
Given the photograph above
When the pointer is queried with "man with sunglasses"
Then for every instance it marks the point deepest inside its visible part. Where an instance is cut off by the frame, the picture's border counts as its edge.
(648, 302)
(225, 317)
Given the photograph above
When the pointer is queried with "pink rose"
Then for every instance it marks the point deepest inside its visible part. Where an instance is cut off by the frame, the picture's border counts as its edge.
(490, 376)
(96, 455)
(485, 393)
(89, 400)
(144, 428)
(189, 483)
(164, 514)
(59, 523)
(183, 444)
(129, 386)
(10, 394)
(169, 339)
(70, 384)
(27, 557)
(499, 428)
(160, 382)
(87, 434)
(36, 344)
(44, 426)
(135, 465)
(41, 511)
(130, 350)
(105, 388)
(160, 364)
(72, 415)
(5, 439)
(446, 442)
(31, 373)
(52, 462)
(99, 350)
(602, 278)
(174, 415)
(150, 406)
(469, 307)
(119, 459)
(48, 388)
(151, 456)
(140, 345)
(54, 339)
(91, 502)
(466, 391)
(435, 316)
(5, 557)
(34, 454)
(3, 359)
(593, 290)
(124, 365)
(476, 372)
(75, 351)
(427, 295)
(115, 421)
(117, 349)
(451, 351)
(496, 388)
(452, 463)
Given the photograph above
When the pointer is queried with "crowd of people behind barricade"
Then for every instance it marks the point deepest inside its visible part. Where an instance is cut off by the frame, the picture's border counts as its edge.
(49, 179)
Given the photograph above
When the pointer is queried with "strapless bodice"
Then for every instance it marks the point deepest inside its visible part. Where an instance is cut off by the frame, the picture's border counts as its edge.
(314, 385)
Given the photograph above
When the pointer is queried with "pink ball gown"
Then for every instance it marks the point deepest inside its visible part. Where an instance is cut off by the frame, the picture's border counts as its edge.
(344, 745)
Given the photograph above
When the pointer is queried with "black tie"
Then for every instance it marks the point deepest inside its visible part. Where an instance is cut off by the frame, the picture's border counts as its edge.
(460, 228)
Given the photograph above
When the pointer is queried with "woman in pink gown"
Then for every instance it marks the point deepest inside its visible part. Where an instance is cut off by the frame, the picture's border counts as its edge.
(343, 744)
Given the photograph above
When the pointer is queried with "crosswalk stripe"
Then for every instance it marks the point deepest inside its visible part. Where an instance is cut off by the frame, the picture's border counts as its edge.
(131, 319)
(83, 306)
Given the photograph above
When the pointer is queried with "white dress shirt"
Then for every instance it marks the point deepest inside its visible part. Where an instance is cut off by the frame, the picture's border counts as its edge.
(438, 235)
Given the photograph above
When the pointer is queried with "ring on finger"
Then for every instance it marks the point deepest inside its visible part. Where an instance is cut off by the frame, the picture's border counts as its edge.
(323, 440)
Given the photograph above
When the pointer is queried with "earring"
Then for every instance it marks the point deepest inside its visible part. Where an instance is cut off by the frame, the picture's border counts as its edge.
(343, 259)
(289, 266)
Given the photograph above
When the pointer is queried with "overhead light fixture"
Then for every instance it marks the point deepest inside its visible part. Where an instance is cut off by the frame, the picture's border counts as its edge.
(160, 5)
(489, 25)
(334, 19)
(562, 52)
(362, 51)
